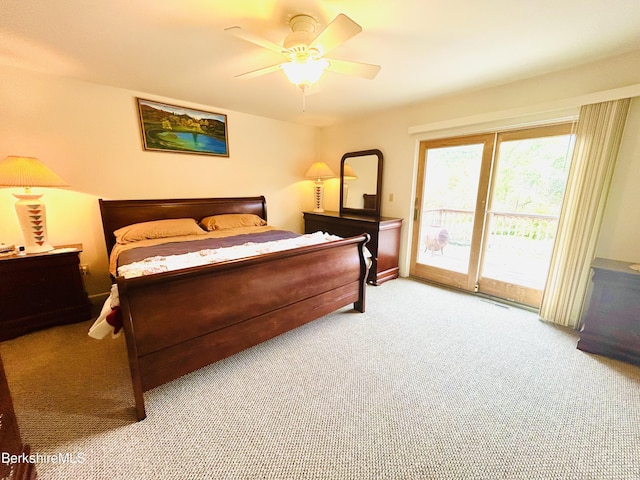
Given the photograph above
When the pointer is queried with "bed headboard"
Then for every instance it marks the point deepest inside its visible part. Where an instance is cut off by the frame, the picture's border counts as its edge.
(120, 213)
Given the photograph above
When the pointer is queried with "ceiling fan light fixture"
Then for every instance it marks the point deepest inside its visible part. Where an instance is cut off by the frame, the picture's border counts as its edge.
(305, 74)
(303, 51)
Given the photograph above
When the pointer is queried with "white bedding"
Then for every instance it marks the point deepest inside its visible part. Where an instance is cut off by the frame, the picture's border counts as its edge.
(101, 328)
(205, 257)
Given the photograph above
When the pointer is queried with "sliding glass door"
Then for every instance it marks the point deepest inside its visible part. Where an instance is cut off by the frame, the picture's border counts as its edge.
(530, 175)
(487, 208)
(453, 176)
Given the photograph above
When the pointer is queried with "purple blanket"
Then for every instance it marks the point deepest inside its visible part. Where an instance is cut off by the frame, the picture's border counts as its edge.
(177, 248)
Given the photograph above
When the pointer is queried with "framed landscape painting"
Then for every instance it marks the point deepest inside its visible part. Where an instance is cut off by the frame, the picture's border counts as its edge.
(169, 128)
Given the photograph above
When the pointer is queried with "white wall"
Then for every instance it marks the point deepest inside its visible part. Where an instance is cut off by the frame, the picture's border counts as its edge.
(89, 134)
(620, 231)
(552, 95)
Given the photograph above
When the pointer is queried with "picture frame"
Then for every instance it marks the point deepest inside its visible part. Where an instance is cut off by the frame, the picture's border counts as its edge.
(171, 128)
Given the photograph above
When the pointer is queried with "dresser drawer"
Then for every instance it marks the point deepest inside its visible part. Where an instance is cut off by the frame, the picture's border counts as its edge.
(384, 244)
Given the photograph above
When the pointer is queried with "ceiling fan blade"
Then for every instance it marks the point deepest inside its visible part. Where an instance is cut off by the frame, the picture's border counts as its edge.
(259, 72)
(341, 29)
(364, 70)
(253, 38)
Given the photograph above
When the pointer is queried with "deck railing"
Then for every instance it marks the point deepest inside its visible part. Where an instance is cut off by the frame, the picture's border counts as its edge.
(511, 231)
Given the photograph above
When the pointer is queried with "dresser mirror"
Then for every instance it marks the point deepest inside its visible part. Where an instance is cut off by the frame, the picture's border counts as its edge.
(361, 182)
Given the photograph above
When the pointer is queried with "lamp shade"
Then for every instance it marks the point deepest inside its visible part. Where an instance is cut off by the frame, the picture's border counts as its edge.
(28, 172)
(319, 170)
(348, 173)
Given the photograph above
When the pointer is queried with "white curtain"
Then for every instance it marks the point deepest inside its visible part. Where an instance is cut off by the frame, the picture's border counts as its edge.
(598, 136)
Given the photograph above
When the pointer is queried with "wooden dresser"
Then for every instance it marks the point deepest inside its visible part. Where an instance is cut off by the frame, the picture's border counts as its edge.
(41, 290)
(384, 244)
(10, 442)
(611, 325)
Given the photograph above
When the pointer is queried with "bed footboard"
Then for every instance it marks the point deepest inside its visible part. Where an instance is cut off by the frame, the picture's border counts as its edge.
(177, 322)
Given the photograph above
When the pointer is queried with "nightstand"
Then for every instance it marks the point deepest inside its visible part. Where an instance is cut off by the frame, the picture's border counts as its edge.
(384, 244)
(41, 290)
(612, 323)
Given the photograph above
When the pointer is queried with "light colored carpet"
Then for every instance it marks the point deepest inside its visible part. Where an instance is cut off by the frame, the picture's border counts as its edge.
(429, 383)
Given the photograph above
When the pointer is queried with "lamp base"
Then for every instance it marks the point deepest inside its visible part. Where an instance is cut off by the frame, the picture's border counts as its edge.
(318, 194)
(33, 222)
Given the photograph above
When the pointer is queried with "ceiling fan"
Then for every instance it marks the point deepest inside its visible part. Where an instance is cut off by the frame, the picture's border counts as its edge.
(304, 51)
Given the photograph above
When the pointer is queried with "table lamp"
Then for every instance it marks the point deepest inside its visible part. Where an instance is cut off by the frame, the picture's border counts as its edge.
(319, 171)
(347, 174)
(27, 172)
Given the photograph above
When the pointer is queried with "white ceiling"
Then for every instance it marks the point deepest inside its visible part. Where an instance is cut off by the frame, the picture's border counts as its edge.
(427, 48)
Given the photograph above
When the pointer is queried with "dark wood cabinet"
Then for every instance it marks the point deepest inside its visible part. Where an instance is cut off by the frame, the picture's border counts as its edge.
(611, 325)
(384, 232)
(41, 290)
(10, 441)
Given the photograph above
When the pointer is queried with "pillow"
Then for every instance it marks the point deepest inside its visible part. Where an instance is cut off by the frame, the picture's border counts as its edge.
(231, 220)
(158, 229)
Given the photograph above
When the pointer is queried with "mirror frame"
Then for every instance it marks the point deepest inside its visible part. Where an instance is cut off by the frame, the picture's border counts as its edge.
(375, 212)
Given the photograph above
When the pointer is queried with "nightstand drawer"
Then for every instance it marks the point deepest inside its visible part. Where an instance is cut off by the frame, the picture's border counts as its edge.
(38, 291)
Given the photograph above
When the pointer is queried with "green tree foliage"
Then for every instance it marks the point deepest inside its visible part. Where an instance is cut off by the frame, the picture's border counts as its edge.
(531, 175)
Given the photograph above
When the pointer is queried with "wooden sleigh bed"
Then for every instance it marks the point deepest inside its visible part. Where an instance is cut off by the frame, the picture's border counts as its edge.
(179, 321)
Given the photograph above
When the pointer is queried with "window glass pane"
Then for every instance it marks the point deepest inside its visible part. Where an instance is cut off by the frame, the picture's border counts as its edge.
(529, 185)
(449, 198)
